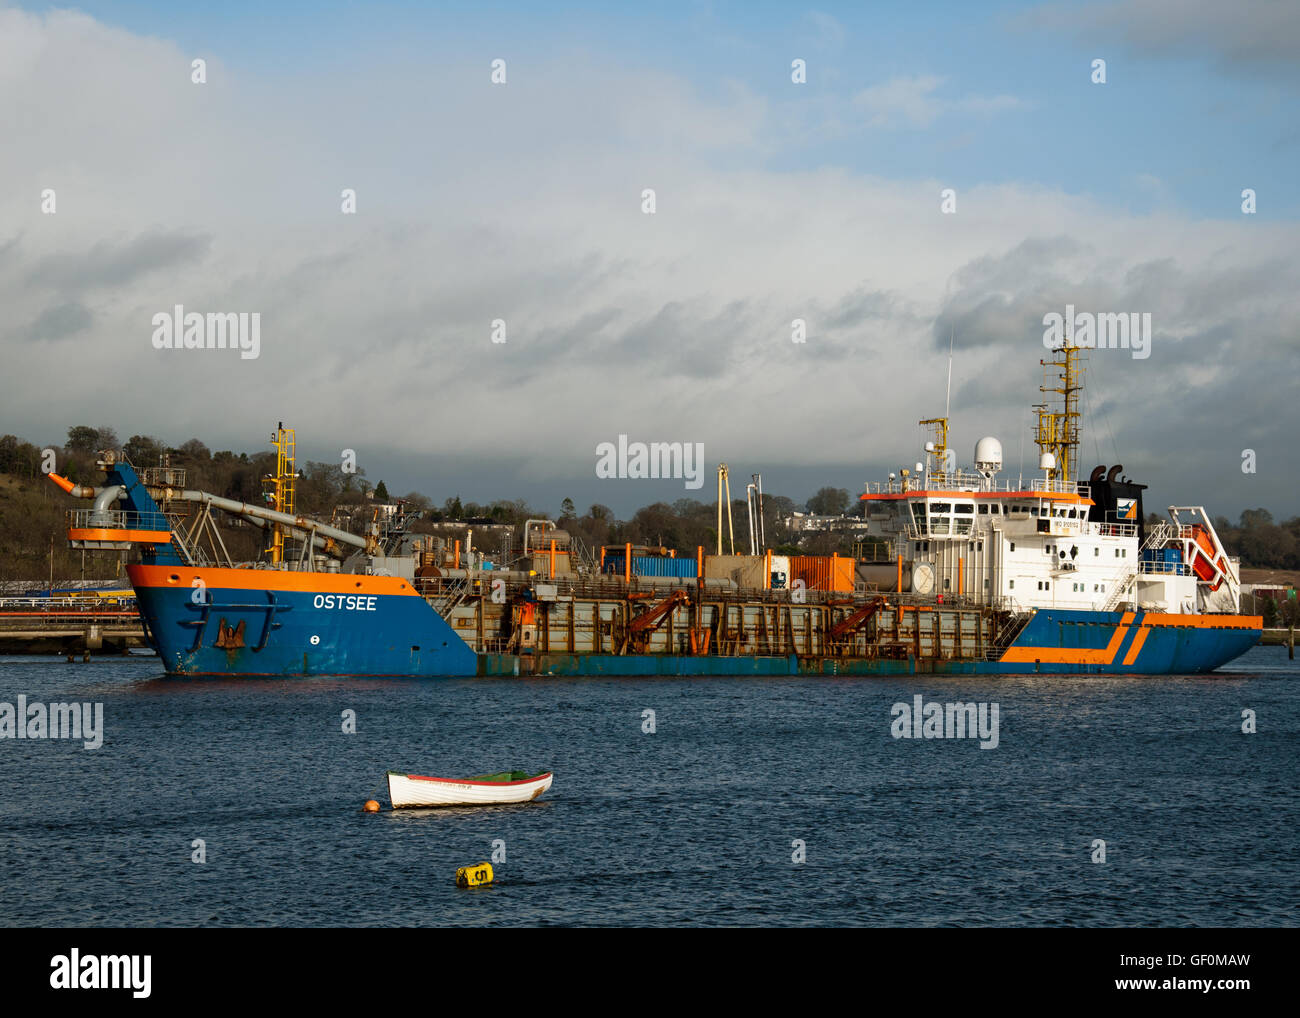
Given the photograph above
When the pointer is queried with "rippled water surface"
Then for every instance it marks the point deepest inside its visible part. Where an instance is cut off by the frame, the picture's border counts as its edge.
(692, 824)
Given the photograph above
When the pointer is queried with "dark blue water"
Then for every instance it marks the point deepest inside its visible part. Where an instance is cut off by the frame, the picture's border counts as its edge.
(690, 825)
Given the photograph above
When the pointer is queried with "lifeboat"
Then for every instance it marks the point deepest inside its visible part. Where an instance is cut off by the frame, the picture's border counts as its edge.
(1201, 554)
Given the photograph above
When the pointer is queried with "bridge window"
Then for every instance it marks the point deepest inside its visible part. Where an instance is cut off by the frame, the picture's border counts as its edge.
(965, 508)
(984, 510)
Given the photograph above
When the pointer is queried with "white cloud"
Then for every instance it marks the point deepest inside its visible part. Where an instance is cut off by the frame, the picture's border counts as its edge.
(913, 102)
(522, 202)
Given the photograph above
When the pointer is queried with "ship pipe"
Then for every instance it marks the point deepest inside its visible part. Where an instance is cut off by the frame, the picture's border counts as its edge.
(76, 490)
(300, 523)
(99, 513)
(325, 544)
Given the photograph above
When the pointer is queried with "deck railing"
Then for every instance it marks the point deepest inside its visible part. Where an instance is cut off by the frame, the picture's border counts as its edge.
(116, 519)
(969, 481)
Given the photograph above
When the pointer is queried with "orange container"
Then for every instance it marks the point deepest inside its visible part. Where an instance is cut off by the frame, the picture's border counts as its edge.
(820, 573)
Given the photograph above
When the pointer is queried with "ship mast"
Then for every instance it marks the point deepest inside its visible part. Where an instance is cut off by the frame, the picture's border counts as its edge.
(1058, 429)
(940, 424)
(940, 443)
(280, 486)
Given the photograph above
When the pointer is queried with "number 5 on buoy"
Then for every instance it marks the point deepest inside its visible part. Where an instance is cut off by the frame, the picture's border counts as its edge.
(474, 876)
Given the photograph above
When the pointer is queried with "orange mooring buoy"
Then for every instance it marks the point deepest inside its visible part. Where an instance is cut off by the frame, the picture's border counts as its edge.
(371, 806)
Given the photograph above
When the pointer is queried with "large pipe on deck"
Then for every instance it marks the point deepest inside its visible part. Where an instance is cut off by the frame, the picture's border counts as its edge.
(103, 501)
(75, 490)
(104, 497)
(110, 493)
(325, 544)
(300, 523)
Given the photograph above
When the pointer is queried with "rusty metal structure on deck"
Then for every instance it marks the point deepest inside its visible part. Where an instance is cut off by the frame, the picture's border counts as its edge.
(595, 616)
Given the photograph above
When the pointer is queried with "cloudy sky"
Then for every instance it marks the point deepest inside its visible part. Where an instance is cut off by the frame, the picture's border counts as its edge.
(774, 200)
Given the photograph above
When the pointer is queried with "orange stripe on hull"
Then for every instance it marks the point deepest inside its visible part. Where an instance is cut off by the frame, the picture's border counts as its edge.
(267, 579)
(1206, 621)
(1073, 655)
(1141, 638)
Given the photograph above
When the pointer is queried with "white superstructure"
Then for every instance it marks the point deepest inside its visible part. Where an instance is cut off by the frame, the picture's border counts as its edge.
(1045, 543)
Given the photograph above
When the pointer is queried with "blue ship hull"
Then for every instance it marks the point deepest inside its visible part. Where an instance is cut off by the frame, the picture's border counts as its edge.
(264, 623)
(286, 632)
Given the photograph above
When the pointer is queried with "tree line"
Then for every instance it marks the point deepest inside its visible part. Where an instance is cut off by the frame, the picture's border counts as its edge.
(31, 510)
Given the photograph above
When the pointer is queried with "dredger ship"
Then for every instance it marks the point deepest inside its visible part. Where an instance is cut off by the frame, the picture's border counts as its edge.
(1047, 574)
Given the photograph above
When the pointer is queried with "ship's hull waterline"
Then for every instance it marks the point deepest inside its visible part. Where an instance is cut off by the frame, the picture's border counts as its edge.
(265, 623)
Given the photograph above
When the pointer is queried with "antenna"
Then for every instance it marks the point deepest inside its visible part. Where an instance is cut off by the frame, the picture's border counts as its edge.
(947, 399)
(1058, 430)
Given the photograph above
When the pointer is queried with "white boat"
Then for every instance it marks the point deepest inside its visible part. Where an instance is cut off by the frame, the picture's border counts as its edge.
(416, 790)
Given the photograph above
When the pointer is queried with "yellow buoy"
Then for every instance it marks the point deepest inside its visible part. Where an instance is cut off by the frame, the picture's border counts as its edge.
(473, 876)
(371, 806)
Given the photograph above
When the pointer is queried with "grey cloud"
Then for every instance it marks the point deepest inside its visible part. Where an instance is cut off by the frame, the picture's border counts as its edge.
(685, 341)
(59, 322)
(1247, 36)
(113, 263)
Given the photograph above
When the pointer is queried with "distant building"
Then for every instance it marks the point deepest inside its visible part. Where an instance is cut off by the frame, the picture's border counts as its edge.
(809, 523)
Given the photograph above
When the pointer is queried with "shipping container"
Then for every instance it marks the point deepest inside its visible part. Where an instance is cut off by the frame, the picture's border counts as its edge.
(683, 568)
(747, 571)
(723, 567)
(821, 573)
(780, 572)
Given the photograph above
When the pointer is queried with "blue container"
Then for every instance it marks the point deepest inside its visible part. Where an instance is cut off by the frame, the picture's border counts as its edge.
(649, 565)
(682, 568)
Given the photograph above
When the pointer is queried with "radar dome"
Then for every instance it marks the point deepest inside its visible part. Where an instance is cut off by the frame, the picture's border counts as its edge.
(988, 455)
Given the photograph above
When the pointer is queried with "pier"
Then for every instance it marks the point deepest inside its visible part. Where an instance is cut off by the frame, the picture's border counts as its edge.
(60, 625)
